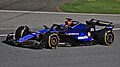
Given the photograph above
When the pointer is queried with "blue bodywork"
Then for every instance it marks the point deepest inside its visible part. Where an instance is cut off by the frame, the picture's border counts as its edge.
(29, 36)
(78, 32)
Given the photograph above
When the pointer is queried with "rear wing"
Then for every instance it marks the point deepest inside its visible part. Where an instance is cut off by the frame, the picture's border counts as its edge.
(99, 23)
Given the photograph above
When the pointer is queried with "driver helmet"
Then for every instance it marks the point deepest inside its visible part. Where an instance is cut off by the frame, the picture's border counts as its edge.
(68, 21)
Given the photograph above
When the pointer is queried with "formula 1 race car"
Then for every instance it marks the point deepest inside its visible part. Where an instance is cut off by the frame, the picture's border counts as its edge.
(78, 34)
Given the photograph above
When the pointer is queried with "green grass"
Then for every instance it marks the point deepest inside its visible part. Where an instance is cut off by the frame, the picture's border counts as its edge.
(97, 6)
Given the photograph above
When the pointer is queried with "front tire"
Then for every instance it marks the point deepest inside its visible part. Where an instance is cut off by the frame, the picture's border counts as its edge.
(21, 31)
(105, 37)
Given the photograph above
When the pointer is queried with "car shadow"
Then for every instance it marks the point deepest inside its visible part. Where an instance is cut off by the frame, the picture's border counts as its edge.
(82, 45)
(22, 46)
(40, 48)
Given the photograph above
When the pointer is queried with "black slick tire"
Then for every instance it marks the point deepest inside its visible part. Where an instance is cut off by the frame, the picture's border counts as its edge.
(21, 31)
(52, 40)
(105, 37)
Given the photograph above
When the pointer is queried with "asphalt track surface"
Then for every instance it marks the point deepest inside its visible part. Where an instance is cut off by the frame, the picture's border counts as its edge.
(80, 56)
(31, 5)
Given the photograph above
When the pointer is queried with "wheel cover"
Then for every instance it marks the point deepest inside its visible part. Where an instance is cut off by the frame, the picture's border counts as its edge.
(109, 38)
(53, 40)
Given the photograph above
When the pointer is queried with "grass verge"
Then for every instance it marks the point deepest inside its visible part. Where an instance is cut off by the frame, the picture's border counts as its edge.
(92, 6)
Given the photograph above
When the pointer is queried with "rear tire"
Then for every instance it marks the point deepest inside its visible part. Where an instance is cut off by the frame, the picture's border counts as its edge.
(21, 31)
(105, 37)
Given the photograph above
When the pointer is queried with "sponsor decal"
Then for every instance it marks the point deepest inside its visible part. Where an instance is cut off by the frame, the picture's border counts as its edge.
(73, 33)
(109, 27)
(92, 29)
(82, 37)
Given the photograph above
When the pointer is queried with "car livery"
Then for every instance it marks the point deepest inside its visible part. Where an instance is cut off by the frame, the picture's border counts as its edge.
(56, 34)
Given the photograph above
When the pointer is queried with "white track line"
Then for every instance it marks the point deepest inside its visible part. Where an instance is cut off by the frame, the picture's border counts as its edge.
(116, 29)
(8, 28)
(2, 35)
(38, 12)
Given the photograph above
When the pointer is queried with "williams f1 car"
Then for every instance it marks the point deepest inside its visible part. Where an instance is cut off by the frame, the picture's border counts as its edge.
(51, 37)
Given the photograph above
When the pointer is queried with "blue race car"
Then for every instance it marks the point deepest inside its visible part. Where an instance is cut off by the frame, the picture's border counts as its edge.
(75, 35)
